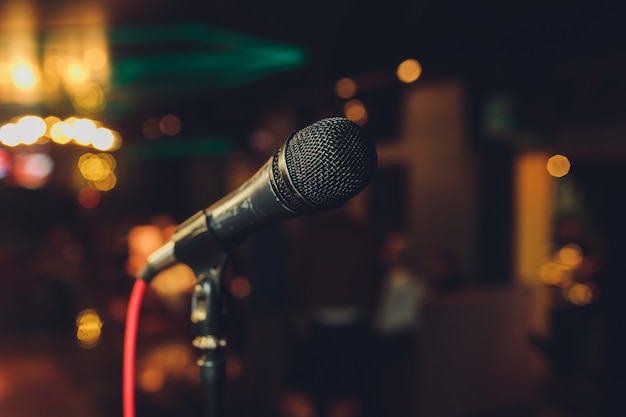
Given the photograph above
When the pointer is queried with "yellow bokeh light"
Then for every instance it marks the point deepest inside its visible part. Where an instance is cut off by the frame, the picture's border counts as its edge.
(88, 328)
(84, 131)
(558, 166)
(571, 255)
(554, 274)
(580, 294)
(355, 110)
(105, 184)
(89, 98)
(23, 76)
(57, 133)
(96, 59)
(76, 73)
(409, 71)
(345, 88)
(93, 168)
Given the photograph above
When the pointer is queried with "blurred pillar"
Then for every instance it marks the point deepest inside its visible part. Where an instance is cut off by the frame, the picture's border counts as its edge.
(533, 216)
(442, 178)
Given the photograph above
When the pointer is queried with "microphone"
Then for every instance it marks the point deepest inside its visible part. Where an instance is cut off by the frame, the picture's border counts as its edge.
(318, 168)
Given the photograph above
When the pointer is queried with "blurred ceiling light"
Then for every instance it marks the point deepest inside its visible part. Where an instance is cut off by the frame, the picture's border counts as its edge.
(409, 70)
(558, 166)
(170, 125)
(23, 76)
(345, 87)
(9, 135)
(105, 139)
(355, 110)
(30, 129)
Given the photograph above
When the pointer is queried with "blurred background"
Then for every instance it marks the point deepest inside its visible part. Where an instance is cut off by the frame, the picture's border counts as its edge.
(480, 274)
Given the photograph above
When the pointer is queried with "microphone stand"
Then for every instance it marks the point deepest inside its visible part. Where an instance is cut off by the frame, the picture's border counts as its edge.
(207, 312)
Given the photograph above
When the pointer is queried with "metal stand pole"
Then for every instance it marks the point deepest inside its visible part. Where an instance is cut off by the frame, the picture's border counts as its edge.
(208, 311)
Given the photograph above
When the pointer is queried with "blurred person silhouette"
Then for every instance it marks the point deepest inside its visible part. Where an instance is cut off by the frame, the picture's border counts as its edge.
(396, 326)
(333, 303)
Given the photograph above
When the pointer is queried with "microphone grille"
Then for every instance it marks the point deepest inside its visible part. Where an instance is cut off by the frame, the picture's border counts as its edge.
(329, 162)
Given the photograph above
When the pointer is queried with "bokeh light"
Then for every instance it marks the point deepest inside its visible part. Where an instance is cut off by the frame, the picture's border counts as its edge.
(88, 198)
(32, 170)
(23, 76)
(409, 70)
(558, 166)
(170, 125)
(345, 88)
(88, 328)
(240, 287)
(355, 110)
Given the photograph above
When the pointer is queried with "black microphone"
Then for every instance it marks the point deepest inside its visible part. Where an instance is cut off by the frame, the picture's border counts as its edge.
(318, 168)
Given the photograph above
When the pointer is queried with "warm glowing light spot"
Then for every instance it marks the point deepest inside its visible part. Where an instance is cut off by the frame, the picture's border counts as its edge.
(240, 287)
(30, 129)
(57, 133)
(580, 294)
(88, 328)
(174, 282)
(93, 167)
(345, 88)
(89, 98)
(9, 135)
(23, 76)
(558, 166)
(151, 379)
(170, 125)
(50, 121)
(142, 241)
(554, 274)
(88, 198)
(105, 184)
(76, 73)
(571, 255)
(409, 71)
(96, 59)
(355, 110)
(84, 131)
(105, 139)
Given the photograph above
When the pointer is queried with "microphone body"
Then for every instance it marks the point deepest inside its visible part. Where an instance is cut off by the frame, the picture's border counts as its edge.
(318, 168)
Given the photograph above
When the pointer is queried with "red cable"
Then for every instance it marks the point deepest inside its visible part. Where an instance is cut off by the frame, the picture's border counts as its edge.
(130, 345)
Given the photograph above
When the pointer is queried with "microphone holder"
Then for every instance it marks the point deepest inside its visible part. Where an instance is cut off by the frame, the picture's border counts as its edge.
(208, 311)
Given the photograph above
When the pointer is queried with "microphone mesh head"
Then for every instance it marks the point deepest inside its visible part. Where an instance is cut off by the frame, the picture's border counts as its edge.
(329, 162)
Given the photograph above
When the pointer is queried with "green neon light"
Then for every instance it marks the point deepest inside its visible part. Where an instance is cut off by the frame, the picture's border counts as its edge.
(212, 146)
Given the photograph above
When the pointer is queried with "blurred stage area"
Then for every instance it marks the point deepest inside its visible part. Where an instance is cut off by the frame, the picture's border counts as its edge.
(480, 274)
